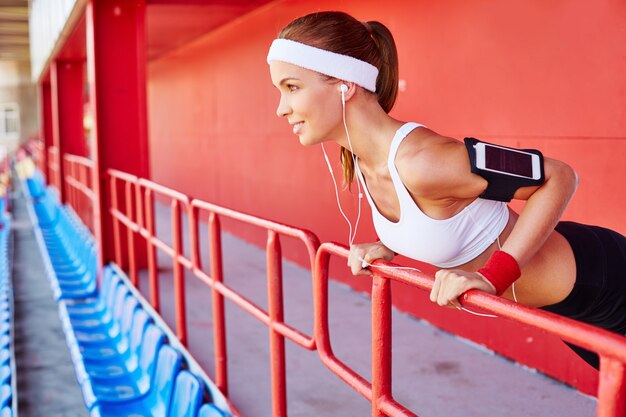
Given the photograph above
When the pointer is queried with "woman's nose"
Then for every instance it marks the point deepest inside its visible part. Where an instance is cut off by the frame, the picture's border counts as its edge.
(283, 108)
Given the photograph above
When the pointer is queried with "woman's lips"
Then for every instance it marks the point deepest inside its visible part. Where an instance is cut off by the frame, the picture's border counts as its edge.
(297, 127)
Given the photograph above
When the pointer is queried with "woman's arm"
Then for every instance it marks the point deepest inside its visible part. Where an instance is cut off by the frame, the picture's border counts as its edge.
(440, 172)
(543, 209)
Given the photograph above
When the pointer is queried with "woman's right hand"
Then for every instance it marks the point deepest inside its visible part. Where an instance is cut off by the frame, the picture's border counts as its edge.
(367, 252)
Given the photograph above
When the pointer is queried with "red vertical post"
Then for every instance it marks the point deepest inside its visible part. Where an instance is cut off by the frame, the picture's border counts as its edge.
(67, 190)
(219, 317)
(66, 81)
(179, 274)
(75, 172)
(153, 276)
(612, 388)
(79, 173)
(45, 122)
(381, 342)
(116, 72)
(130, 234)
(277, 341)
(320, 300)
(70, 170)
(117, 243)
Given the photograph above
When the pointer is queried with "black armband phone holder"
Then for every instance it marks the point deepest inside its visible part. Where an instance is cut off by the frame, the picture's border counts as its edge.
(502, 185)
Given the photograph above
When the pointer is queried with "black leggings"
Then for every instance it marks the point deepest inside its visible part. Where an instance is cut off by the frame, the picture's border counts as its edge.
(599, 294)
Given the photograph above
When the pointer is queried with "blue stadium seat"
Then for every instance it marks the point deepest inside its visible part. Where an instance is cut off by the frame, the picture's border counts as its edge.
(5, 356)
(188, 393)
(105, 334)
(5, 395)
(5, 374)
(121, 347)
(117, 359)
(168, 366)
(136, 382)
(157, 402)
(107, 320)
(5, 341)
(46, 209)
(36, 185)
(103, 353)
(99, 306)
(209, 410)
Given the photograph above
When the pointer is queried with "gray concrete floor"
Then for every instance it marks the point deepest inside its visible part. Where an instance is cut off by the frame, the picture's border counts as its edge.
(46, 383)
(434, 373)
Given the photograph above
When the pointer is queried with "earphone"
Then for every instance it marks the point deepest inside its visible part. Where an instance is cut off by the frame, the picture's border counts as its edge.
(343, 88)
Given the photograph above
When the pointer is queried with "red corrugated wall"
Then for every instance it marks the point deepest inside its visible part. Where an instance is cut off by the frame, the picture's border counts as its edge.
(538, 74)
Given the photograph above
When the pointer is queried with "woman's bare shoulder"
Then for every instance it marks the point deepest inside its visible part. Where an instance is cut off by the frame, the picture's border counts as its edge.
(436, 165)
(423, 150)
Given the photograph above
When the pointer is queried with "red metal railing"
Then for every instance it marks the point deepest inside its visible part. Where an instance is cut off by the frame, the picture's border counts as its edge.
(136, 214)
(274, 317)
(53, 167)
(78, 183)
(123, 216)
(37, 147)
(610, 346)
(179, 203)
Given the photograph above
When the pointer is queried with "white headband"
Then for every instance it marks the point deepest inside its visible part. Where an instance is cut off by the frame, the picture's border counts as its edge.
(329, 63)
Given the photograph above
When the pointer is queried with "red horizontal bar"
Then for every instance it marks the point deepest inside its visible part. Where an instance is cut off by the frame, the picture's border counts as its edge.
(393, 409)
(122, 175)
(310, 240)
(257, 312)
(124, 220)
(80, 160)
(164, 190)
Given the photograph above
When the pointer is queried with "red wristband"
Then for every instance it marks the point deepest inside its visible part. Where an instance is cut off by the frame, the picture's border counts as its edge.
(501, 270)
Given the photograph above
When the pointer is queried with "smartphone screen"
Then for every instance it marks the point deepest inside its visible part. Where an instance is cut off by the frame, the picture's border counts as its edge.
(505, 160)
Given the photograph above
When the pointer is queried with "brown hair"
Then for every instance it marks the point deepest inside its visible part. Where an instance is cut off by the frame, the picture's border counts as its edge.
(371, 42)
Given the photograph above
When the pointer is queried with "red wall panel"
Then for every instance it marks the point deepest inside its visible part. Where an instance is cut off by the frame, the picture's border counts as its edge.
(532, 74)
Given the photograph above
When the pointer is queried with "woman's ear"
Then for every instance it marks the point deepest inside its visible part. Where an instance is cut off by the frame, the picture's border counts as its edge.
(347, 89)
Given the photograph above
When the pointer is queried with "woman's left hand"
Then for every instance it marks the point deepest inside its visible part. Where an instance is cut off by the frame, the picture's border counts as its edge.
(450, 284)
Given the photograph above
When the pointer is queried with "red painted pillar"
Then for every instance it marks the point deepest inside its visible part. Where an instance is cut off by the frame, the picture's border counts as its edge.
(116, 73)
(45, 124)
(66, 80)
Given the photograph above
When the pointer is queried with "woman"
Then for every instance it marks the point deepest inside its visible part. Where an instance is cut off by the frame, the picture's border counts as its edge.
(338, 80)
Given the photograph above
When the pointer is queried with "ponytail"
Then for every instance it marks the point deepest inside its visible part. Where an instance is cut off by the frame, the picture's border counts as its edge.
(386, 85)
(387, 81)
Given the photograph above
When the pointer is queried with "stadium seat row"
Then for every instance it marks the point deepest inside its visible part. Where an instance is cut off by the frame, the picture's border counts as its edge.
(123, 360)
(72, 250)
(7, 363)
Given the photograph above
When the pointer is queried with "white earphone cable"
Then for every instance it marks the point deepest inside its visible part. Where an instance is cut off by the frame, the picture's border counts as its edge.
(351, 231)
(332, 175)
(358, 183)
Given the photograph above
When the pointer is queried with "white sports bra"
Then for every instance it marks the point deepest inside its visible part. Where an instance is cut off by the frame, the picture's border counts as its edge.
(444, 243)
